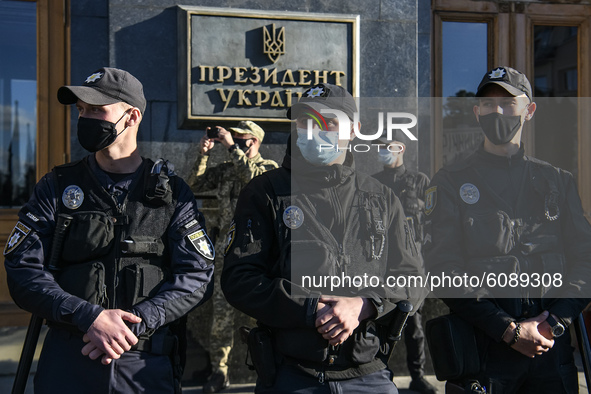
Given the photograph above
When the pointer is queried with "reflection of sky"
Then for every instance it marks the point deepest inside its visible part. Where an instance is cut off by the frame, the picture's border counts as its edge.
(464, 56)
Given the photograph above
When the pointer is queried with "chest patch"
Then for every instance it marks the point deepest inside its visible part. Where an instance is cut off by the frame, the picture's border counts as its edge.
(293, 217)
(469, 193)
(73, 197)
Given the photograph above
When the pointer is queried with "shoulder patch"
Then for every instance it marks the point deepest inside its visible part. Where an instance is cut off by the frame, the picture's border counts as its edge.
(230, 237)
(17, 236)
(430, 199)
(202, 244)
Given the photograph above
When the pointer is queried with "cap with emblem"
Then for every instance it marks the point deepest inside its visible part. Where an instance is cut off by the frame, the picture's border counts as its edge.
(324, 96)
(249, 127)
(106, 86)
(513, 81)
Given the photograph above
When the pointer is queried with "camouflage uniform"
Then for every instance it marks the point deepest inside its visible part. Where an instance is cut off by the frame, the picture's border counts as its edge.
(228, 179)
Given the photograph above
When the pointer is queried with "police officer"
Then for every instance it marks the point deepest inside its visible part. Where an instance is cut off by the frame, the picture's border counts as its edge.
(501, 212)
(135, 257)
(227, 179)
(316, 218)
(409, 187)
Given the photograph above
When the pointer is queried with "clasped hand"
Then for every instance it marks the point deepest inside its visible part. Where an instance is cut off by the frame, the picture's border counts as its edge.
(109, 336)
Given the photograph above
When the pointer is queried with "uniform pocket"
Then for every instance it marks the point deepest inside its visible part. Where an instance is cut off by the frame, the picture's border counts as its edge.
(86, 281)
(90, 236)
(488, 234)
(314, 266)
(366, 344)
(498, 274)
(141, 282)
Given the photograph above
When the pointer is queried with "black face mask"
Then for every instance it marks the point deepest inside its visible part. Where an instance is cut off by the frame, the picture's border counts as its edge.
(97, 134)
(498, 128)
(242, 144)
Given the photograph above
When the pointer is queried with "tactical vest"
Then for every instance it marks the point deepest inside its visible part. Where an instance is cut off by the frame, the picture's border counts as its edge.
(307, 247)
(529, 242)
(114, 255)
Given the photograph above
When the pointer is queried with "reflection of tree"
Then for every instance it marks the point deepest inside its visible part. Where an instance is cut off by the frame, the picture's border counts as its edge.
(17, 168)
(457, 111)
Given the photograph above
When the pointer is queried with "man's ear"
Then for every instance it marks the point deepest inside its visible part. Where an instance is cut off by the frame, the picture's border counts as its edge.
(352, 135)
(530, 110)
(476, 110)
(135, 117)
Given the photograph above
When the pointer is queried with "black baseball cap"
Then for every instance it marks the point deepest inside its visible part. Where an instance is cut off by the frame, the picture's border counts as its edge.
(106, 86)
(513, 81)
(324, 96)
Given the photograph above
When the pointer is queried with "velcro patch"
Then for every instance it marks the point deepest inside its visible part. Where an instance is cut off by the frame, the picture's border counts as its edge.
(17, 236)
(202, 244)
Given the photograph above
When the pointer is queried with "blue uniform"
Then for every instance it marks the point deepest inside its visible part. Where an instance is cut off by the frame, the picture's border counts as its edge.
(185, 267)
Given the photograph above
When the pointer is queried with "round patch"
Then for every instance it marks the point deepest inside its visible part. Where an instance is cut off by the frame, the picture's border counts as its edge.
(469, 193)
(73, 197)
(293, 217)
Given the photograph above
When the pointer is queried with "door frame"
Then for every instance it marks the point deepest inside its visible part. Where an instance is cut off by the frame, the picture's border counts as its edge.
(53, 122)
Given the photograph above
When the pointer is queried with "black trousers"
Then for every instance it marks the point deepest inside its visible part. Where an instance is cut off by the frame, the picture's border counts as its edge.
(63, 369)
(414, 340)
(506, 371)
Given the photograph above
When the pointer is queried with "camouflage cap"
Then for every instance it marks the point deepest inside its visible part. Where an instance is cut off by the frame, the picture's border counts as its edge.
(249, 127)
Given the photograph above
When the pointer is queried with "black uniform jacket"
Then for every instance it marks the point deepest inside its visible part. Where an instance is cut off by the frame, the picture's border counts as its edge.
(516, 225)
(333, 221)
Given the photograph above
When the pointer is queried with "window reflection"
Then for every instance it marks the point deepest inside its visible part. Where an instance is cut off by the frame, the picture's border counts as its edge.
(464, 62)
(555, 75)
(18, 101)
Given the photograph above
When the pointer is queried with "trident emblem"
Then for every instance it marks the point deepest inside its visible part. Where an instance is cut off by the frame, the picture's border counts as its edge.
(273, 42)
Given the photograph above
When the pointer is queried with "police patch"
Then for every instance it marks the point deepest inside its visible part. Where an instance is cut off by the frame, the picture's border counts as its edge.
(430, 199)
(230, 237)
(17, 236)
(293, 217)
(73, 197)
(202, 244)
(469, 193)
(497, 73)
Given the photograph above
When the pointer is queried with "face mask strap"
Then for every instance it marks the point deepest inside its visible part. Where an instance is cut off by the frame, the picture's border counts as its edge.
(124, 113)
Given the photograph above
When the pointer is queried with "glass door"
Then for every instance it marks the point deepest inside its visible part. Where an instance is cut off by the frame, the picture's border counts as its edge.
(34, 43)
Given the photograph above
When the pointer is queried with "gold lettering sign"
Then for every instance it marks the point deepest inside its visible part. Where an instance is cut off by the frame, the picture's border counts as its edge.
(226, 74)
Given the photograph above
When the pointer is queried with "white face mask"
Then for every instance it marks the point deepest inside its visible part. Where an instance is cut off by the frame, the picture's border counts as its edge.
(322, 149)
(386, 157)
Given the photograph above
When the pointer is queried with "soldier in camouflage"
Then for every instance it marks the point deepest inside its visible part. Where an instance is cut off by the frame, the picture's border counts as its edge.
(227, 179)
(410, 188)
